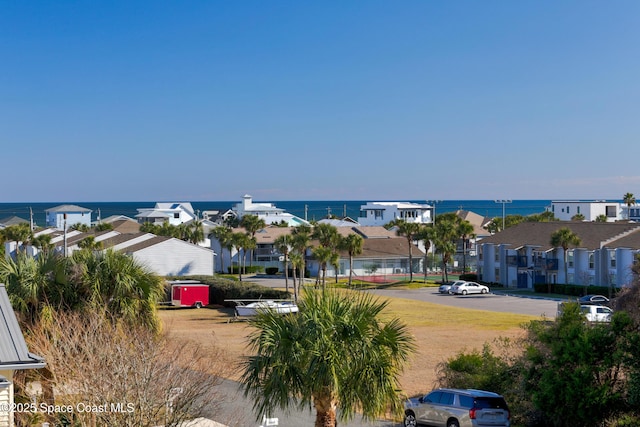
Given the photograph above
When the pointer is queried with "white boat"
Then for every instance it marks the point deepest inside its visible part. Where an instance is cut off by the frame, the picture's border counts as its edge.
(245, 308)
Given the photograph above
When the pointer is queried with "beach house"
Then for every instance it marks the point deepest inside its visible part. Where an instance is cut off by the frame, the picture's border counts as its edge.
(266, 211)
(381, 213)
(65, 216)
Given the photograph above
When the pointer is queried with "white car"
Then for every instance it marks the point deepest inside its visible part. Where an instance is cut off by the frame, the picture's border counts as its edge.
(469, 288)
(446, 287)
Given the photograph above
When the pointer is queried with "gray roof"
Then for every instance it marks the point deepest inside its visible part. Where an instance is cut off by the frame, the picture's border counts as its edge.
(13, 348)
(13, 220)
(593, 235)
(67, 208)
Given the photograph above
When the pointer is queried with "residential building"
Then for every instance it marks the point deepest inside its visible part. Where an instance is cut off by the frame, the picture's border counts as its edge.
(14, 356)
(384, 253)
(381, 213)
(522, 255)
(173, 213)
(565, 210)
(266, 211)
(66, 216)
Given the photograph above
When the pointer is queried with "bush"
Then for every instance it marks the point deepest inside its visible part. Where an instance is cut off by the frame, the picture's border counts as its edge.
(271, 270)
(249, 269)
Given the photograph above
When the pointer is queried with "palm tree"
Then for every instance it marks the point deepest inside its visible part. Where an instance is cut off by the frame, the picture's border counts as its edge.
(196, 232)
(19, 233)
(601, 218)
(445, 238)
(426, 234)
(43, 243)
(324, 256)
(224, 236)
(408, 230)
(353, 244)
(282, 246)
(239, 241)
(116, 283)
(326, 234)
(465, 231)
(89, 243)
(564, 238)
(300, 241)
(252, 223)
(629, 199)
(311, 359)
(297, 263)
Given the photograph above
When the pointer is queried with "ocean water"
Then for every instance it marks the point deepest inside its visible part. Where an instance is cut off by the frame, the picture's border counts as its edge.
(310, 210)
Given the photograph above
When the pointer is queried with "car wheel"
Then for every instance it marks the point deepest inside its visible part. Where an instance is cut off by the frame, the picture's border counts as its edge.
(410, 420)
(453, 423)
(198, 305)
(464, 292)
(484, 291)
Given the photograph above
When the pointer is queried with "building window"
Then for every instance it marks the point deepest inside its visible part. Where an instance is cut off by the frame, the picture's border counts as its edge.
(176, 215)
(570, 258)
(612, 259)
(497, 257)
(591, 262)
(578, 209)
(612, 279)
(567, 209)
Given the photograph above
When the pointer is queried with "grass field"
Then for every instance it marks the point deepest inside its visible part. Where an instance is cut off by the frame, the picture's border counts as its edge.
(440, 332)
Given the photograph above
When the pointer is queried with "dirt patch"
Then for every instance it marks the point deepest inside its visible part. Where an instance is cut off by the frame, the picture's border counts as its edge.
(212, 328)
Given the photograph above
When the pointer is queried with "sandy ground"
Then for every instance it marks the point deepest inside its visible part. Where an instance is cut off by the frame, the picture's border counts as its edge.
(212, 328)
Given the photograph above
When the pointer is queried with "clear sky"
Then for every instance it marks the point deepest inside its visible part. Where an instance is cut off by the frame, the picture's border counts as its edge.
(319, 100)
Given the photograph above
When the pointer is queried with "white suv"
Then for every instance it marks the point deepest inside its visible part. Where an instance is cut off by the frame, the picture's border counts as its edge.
(447, 407)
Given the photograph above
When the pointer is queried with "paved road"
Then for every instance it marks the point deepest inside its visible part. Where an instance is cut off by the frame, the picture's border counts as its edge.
(500, 302)
(237, 410)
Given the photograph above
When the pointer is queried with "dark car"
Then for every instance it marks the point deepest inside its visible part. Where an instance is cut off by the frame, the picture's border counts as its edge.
(594, 299)
(448, 407)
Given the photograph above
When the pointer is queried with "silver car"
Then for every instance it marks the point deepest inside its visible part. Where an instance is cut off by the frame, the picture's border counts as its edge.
(469, 288)
(446, 407)
(445, 288)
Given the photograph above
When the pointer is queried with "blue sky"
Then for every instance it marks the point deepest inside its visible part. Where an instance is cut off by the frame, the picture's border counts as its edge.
(331, 100)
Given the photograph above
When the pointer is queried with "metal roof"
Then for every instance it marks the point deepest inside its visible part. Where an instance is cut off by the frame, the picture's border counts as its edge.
(14, 353)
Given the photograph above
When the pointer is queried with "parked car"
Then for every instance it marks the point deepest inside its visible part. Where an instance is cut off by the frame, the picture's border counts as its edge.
(592, 312)
(446, 407)
(445, 288)
(469, 288)
(594, 299)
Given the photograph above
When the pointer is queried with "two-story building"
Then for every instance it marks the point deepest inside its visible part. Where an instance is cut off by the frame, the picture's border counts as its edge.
(382, 213)
(173, 213)
(522, 256)
(565, 210)
(265, 211)
(67, 215)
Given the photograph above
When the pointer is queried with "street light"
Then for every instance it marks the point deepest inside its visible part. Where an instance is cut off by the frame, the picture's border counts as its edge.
(504, 202)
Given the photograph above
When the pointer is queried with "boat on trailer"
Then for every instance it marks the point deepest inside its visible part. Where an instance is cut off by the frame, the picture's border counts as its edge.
(248, 308)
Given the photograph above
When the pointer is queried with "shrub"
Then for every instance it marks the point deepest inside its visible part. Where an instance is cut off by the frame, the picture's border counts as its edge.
(271, 270)
(469, 277)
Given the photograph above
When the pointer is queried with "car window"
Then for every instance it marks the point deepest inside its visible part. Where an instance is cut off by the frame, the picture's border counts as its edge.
(446, 398)
(433, 397)
(490, 402)
(466, 401)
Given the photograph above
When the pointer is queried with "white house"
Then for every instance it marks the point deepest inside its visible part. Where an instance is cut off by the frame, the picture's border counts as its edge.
(565, 210)
(14, 355)
(266, 211)
(174, 213)
(522, 255)
(381, 213)
(67, 215)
